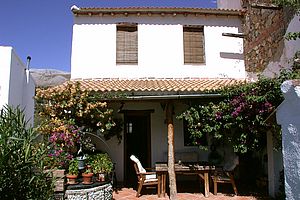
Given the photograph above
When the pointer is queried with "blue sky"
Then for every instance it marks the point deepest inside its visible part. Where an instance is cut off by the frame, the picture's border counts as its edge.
(43, 28)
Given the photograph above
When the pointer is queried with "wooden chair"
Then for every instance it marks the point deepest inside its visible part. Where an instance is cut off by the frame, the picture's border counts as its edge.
(144, 178)
(225, 175)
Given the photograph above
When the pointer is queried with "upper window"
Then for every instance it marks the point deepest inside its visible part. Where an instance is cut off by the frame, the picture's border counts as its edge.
(193, 41)
(127, 44)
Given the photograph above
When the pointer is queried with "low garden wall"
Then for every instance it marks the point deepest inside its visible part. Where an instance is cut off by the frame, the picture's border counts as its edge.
(103, 192)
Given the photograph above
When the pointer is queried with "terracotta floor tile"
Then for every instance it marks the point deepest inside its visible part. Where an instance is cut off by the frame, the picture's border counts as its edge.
(129, 194)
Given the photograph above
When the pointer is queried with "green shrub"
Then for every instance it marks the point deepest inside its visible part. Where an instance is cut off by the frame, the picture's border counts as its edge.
(21, 159)
(101, 163)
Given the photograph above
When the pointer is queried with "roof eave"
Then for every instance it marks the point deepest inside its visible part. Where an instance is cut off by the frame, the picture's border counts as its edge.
(126, 11)
(166, 97)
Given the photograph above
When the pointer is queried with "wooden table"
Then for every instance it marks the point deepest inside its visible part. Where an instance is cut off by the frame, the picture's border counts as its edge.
(202, 170)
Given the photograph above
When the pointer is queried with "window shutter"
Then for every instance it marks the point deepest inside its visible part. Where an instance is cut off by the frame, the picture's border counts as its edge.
(193, 39)
(127, 44)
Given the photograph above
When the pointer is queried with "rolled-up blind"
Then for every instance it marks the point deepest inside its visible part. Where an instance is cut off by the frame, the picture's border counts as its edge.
(127, 44)
(193, 39)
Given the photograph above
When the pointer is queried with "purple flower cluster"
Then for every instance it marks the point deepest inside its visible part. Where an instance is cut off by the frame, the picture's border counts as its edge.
(239, 104)
(61, 143)
(66, 138)
(237, 100)
(246, 108)
(238, 110)
(218, 115)
(264, 108)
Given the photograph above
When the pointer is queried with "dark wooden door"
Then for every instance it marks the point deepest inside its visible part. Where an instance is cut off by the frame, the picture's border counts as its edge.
(137, 142)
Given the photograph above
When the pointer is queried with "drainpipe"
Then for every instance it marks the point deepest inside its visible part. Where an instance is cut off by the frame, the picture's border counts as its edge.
(27, 69)
(171, 96)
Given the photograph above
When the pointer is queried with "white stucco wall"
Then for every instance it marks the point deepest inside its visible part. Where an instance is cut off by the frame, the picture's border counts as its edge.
(160, 48)
(289, 49)
(160, 55)
(289, 118)
(229, 4)
(17, 87)
(5, 60)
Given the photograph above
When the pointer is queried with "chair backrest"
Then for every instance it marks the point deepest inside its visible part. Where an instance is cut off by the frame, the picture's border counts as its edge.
(140, 168)
(137, 166)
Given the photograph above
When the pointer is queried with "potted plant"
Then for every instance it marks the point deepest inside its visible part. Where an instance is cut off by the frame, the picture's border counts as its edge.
(97, 166)
(87, 175)
(101, 165)
(72, 171)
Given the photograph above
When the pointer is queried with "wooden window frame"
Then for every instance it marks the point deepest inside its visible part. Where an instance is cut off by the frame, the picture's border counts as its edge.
(193, 44)
(127, 44)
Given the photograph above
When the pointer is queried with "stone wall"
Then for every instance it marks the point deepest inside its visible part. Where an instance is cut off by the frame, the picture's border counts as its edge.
(264, 28)
(245, 3)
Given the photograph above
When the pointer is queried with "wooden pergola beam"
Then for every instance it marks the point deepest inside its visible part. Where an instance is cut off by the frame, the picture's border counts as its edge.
(265, 6)
(237, 35)
(171, 157)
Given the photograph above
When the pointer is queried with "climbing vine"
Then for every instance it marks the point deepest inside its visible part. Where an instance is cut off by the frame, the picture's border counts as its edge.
(66, 112)
(289, 3)
(242, 117)
(295, 5)
(72, 103)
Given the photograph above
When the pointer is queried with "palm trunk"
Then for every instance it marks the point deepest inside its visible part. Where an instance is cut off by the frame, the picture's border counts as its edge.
(171, 159)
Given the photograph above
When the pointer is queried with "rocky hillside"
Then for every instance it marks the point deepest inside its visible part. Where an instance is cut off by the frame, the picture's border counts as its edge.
(49, 77)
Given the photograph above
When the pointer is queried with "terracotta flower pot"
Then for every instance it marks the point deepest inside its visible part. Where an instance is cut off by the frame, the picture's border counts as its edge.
(87, 178)
(71, 179)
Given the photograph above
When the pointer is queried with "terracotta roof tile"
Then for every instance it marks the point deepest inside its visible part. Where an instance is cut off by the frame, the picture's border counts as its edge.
(155, 85)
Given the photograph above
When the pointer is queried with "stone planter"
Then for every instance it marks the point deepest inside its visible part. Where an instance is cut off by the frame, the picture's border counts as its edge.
(59, 176)
(59, 173)
(103, 192)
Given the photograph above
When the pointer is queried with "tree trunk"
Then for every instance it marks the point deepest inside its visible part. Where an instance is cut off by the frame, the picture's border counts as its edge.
(171, 158)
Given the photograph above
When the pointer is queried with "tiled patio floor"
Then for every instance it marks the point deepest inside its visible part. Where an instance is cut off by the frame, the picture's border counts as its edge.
(129, 194)
(187, 191)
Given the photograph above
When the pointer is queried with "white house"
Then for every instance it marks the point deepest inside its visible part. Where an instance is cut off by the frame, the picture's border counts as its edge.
(17, 87)
(155, 56)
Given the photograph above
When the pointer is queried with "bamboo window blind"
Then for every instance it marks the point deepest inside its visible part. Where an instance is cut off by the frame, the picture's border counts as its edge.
(127, 44)
(193, 39)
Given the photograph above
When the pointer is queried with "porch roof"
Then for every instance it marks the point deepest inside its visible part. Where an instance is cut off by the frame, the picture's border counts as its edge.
(156, 86)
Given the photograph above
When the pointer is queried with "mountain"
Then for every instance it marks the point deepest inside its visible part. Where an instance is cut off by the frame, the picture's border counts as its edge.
(49, 77)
